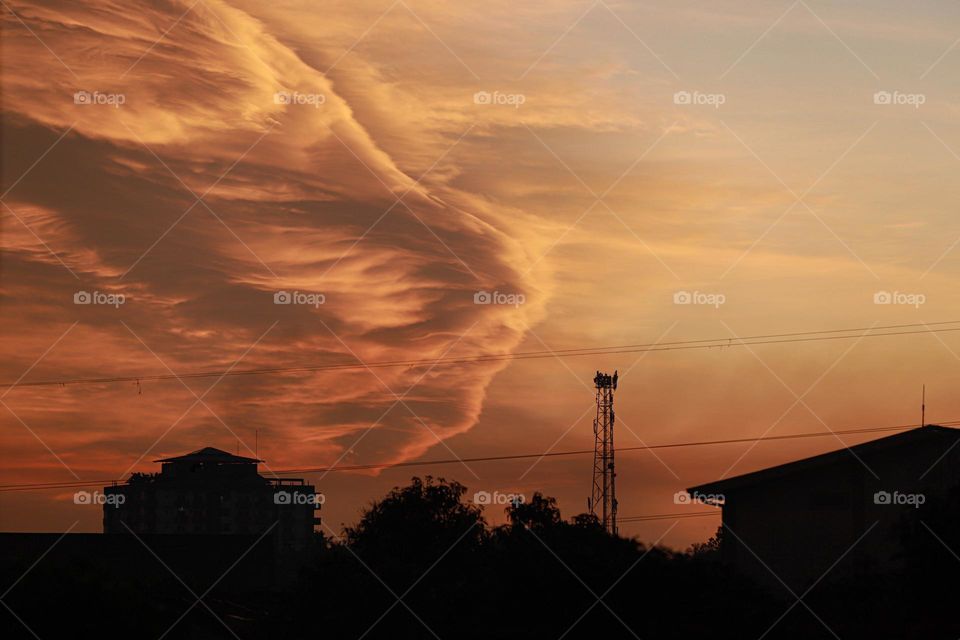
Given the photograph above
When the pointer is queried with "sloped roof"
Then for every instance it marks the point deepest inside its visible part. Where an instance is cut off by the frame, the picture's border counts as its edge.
(928, 433)
(210, 454)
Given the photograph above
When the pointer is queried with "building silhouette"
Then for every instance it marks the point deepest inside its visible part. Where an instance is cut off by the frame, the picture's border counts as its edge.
(212, 492)
(795, 521)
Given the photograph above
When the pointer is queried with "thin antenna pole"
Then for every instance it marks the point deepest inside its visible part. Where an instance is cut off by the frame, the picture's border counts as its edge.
(923, 406)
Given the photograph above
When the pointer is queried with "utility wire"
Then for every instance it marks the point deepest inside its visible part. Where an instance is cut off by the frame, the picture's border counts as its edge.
(667, 516)
(711, 343)
(525, 456)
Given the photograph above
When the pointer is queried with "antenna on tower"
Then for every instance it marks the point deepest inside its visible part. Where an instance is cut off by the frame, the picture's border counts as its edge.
(604, 491)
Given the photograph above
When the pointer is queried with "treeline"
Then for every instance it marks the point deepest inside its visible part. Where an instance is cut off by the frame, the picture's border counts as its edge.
(423, 563)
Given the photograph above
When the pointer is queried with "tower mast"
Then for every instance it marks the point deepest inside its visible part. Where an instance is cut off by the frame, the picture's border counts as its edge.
(604, 489)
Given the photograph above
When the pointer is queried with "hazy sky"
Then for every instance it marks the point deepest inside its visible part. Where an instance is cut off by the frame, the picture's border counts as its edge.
(792, 160)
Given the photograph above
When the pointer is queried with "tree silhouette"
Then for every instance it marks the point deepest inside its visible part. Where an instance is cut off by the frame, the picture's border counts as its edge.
(539, 513)
(418, 521)
(709, 550)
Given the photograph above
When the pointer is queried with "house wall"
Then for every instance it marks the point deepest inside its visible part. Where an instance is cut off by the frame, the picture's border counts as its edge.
(795, 528)
(176, 507)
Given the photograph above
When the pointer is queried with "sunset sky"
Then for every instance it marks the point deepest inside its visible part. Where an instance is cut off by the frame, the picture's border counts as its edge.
(397, 158)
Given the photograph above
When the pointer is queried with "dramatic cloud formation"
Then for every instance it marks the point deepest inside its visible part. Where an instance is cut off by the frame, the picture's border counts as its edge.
(202, 174)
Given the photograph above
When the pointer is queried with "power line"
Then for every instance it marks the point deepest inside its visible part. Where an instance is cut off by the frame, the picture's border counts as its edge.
(525, 456)
(711, 343)
(669, 516)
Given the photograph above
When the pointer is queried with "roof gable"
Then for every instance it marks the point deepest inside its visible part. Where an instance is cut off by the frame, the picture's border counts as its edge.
(211, 454)
(925, 434)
